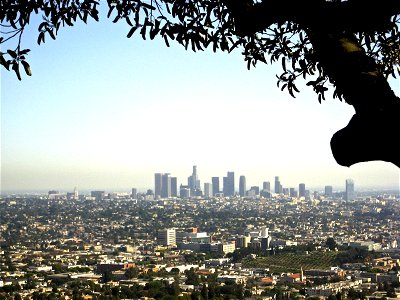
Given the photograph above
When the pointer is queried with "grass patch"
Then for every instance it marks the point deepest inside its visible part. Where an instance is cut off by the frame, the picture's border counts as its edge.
(292, 262)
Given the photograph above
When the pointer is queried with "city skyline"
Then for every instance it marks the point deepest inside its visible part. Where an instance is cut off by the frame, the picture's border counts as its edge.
(167, 184)
(107, 111)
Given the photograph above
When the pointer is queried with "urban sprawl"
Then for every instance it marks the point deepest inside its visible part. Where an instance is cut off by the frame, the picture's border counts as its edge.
(209, 242)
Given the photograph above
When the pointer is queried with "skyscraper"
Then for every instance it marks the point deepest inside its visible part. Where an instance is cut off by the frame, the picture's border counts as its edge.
(256, 189)
(242, 186)
(302, 190)
(166, 186)
(184, 191)
(349, 194)
(193, 181)
(215, 185)
(157, 184)
(174, 187)
(208, 193)
(229, 184)
(134, 193)
(98, 195)
(266, 190)
(267, 186)
(278, 186)
(328, 191)
(76, 195)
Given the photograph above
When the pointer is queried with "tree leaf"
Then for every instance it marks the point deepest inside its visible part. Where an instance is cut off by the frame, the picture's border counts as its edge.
(15, 67)
(131, 31)
(12, 54)
(26, 67)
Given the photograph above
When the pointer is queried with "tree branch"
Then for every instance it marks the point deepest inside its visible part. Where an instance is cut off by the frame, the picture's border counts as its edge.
(351, 16)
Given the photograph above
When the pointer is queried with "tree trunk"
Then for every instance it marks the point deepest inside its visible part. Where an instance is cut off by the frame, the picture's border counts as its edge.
(372, 133)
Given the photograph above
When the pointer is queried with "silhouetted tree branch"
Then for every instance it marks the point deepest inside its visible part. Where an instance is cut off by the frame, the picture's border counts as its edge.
(353, 45)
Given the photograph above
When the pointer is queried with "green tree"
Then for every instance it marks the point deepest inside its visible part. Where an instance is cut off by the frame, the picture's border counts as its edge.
(195, 295)
(204, 292)
(107, 276)
(352, 46)
(191, 277)
(132, 273)
(331, 243)
(17, 296)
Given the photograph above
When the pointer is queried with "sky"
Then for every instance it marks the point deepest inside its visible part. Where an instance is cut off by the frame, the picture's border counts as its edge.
(102, 111)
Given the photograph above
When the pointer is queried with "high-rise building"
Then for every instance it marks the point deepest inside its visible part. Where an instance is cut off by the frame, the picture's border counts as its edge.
(76, 195)
(134, 193)
(98, 195)
(242, 186)
(166, 186)
(157, 184)
(229, 184)
(267, 186)
(215, 185)
(208, 193)
(302, 190)
(166, 237)
(293, 192)
(328, 191)
(349, 194)
(174, 187)
(193, 181)
(184, 191)
(256, 189)
(266, 190)
(278, 186)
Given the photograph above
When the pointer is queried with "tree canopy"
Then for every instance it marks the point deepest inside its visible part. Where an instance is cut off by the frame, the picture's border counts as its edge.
(350, 46)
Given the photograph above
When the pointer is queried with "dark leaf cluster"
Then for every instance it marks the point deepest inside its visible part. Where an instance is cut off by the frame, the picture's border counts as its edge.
(197, 25)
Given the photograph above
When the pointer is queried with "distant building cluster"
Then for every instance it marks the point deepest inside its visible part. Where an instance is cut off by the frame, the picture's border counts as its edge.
(166, 186)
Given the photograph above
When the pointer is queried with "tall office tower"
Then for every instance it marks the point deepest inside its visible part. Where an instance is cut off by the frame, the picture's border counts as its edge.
(293, 192)
(208, 193)
(193, 181)
(184, 191)
(302, 190)
(215, 185)
(328, 191)
(264, 231)
(229, 184)
(76, 195)
(166, 186)
(267, 186)
(157, 184)
(134, 193)
(256, 189)
(98, 195)
(174, 187)
(166, 237)
(266, 190)
(242, 186)
(278, 187)
(349, 195)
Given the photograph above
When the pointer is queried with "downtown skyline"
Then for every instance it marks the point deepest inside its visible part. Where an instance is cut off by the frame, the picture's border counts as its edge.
(236, 184)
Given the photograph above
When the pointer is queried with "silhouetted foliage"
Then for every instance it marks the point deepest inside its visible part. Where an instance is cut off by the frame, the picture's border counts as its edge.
(351, 45)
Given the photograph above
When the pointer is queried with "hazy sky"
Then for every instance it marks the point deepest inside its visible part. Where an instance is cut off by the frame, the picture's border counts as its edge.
(102, 111)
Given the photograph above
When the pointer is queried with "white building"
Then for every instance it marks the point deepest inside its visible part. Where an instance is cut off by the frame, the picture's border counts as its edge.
(166, 237)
